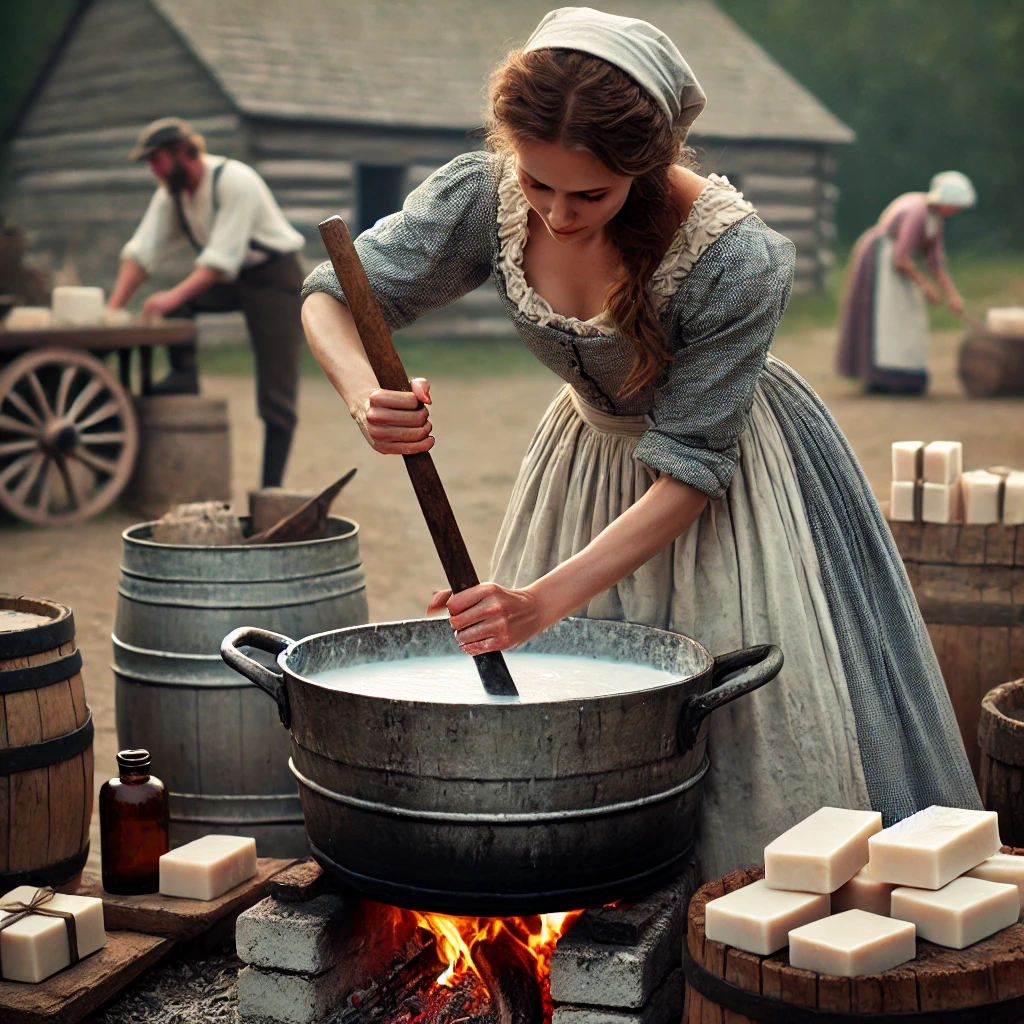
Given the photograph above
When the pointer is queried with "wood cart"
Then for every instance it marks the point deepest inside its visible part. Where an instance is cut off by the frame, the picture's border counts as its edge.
(68, 432)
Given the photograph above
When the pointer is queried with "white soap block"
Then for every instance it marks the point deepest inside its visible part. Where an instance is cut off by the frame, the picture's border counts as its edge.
(822, 852)
(959, 914)
(862, 892)
(207, 868)
(932, 847)
(852, 943)
(903, 497)
(758, 919)
(941, 503)
(907, 459)
(37, 946)
(1003, 867)
(981, 496)
(78, 306)
(29, 318)
(943, 462)
(1013, 499)
(1005, 321)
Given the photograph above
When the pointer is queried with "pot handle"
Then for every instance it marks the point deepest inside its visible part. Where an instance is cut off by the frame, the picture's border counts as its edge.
(732, 675)
(270, 682)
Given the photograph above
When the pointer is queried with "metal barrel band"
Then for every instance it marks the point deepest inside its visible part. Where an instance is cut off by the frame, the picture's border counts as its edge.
(514, 818)
(37, 639)
(42, 755)
(773, 1011)
(37, 676)
(52, 874)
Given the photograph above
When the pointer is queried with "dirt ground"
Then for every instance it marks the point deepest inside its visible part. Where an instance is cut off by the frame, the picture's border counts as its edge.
(483, 426)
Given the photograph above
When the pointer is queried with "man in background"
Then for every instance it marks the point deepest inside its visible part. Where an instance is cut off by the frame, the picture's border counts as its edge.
(246, 259)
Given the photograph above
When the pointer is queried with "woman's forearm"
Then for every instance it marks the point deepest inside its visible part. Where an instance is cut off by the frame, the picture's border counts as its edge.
(667, 510)
(334, 341)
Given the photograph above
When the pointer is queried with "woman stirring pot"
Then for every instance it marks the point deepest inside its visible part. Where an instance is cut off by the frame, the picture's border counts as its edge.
(683, 478)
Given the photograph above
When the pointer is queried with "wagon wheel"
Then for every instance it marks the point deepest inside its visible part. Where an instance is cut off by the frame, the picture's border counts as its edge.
(68, 436)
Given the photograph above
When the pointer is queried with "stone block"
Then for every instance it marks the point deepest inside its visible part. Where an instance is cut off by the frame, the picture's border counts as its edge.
(664, 1007)
(290, 998)
(620, 976)
(308, 937)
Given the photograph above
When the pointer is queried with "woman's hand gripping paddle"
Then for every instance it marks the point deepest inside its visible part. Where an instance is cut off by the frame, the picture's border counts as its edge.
(391, 375)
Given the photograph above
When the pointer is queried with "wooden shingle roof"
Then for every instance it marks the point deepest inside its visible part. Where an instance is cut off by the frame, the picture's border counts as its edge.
(423, 63)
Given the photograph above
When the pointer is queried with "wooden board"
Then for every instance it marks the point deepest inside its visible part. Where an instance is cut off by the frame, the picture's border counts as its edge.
(69, 995)
(178, 918)
(171, 332)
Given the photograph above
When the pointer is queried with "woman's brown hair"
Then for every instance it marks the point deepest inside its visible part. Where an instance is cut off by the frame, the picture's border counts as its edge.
(583, 102)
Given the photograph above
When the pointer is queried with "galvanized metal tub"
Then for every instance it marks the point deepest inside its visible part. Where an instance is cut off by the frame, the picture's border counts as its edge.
(500, 808)
(214, 739)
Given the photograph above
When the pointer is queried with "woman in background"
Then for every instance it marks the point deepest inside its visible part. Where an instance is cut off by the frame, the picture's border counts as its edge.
(884, 334)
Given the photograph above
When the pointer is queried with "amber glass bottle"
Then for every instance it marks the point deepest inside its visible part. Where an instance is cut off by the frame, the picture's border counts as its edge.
(133, 826)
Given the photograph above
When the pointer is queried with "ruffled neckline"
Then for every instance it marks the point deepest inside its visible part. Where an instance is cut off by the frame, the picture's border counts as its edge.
(717, 207)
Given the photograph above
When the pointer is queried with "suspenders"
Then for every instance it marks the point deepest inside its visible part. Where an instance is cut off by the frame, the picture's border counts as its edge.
(187, 229)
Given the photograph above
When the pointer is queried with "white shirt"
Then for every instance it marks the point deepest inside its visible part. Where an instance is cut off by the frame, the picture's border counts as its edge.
(245, 211)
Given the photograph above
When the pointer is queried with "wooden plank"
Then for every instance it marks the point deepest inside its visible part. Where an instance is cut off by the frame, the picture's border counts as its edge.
(939, 543)
(971, 545)
(130, 336)
(743, 970)
(1000, 543)
(305, 880)
(834, 993)
(154, 914)
(866, 994)
(771, 976)
(71, 994)
(899, 991)
(66, 784)
(5, 794)
(29, 813)
(799, 987)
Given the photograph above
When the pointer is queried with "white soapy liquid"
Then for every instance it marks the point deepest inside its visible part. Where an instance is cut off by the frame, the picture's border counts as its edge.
(453, 679)
(11, 620)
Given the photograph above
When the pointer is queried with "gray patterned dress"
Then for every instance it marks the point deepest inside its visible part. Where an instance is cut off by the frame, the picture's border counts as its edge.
(792, 548)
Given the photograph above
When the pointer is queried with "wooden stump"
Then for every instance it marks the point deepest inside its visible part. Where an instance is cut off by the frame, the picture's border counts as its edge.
(983, 984)
(990, 365)
(1001, 736)
(966, 580)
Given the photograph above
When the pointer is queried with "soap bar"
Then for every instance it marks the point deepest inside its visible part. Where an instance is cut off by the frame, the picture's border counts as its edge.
(932, 847)
(37, 946)
(943, 462)
(207, 868)
(982, 492)
(907, 460)
(852, 943)
(758, 919)
(822, 852)
(903, 501)
(862, 892)
(78, 305)
(941, 503)
(959, 914)
(1013, 499)
(1003, 867)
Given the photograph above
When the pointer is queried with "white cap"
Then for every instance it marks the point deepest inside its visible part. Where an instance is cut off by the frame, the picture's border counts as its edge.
(951, 188)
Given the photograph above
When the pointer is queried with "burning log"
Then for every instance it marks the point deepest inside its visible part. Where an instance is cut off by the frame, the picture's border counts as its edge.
(508, 968)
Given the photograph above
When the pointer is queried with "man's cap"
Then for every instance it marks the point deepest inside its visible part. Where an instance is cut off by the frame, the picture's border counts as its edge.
(163, 132)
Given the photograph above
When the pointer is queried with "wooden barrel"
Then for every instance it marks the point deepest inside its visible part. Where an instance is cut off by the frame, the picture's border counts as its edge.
(964, 580)
(216, 740)
(45, 746)
(983, 984)
(184, 453)
(991, 365)
(1001, 737)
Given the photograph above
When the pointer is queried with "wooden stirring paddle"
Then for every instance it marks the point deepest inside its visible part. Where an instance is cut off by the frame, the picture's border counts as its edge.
(391, 376)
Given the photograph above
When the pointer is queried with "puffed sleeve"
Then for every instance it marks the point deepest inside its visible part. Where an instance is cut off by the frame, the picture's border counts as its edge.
(434, 250)
(733, 301)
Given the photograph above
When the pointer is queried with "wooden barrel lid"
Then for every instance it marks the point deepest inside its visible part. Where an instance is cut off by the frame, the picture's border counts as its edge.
(983, 984)
(32, 625)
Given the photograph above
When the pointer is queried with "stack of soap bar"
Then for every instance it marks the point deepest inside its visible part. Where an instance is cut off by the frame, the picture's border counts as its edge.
(932, 847)
(862, 892)
(907, 461)
(758, 919)
(822, 852)
(1003, 867)
(959, 914)
(905, 495)
(852, 943)
(1013, 499)
(982, 496)
(207, 868)
(942, 465)
(37, 946)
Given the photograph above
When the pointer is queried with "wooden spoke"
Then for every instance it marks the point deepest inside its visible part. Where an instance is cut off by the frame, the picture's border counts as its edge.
(104, 412)
(23, 407)
(13, 447)
(107, 466)
(41, 400)
(84, 397)
(64, 389)
(113, 437)
(11, 471)
(70, 487)
(28, 481)
(13, 426)
(46, 488)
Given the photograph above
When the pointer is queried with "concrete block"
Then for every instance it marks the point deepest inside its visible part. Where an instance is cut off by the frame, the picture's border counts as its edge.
(664, 1007)
(308, 937)
(290, 998)
(591, 973)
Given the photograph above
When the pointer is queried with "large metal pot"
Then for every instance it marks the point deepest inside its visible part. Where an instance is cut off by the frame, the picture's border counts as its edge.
(500, 808)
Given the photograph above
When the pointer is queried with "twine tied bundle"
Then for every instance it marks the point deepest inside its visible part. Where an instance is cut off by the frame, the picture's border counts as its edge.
(17, 910)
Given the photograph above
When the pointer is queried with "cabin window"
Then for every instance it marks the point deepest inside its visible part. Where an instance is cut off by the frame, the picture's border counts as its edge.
(380, 192)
